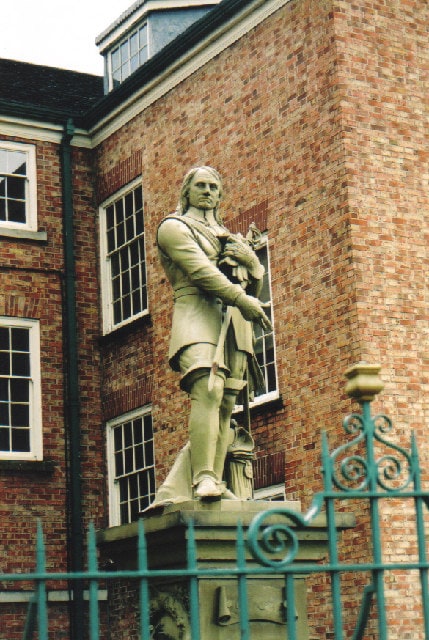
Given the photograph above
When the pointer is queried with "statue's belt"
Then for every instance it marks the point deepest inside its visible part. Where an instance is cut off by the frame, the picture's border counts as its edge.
(191, 291)
(186, 291)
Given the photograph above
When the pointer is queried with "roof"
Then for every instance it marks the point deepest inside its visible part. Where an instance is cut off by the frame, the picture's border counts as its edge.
(54, 95)
(58, 91)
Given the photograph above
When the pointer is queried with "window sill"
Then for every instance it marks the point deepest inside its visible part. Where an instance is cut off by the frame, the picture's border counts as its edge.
(271, 405)
(24, 234)
(126, 329)
(27, 466)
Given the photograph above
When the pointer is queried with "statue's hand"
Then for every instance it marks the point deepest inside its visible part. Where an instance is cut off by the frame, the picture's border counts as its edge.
(238, 250)
(251, 309)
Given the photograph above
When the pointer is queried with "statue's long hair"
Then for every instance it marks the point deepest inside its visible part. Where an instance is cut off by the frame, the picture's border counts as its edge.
(183, 204)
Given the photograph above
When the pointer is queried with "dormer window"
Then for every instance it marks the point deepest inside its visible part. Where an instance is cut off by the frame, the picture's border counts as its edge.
(129, 55)
(142, 31)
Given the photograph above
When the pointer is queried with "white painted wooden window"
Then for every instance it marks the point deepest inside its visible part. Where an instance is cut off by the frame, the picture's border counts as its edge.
(18, 186)
(265, 340)
(131, 463)
(20, 392)
(128, 55)
(124, 286)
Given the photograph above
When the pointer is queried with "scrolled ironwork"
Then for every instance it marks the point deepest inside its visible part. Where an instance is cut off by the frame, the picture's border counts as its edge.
(353, 424)
(354, 469)
(394, 472)
(391, 471)
(275, 543)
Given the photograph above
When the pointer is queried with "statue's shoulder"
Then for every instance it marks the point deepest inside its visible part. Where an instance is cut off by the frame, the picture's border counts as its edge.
(178, 221)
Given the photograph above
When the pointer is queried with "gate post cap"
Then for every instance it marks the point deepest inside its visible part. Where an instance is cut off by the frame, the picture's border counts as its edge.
(363, 382)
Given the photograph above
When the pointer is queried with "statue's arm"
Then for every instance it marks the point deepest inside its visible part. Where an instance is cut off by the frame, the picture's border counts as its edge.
(177, 242)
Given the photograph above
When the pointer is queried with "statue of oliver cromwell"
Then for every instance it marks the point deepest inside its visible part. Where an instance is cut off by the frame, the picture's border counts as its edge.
(216, 278)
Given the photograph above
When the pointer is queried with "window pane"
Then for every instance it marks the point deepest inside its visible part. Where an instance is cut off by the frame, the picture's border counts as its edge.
(124, 513)
(117, 312)
(4, 364)
(134, 63)
(20, 364)
(16, 163)
(133, 486)
(137, 431)
(20, 340)
(19, 390)
(128, 460)
(117, 438)
(147, 423)
(16, 188)
(119, 464)
(138, 199)
(123, 489)
(126, 307)
(128, 436)
(139, 457)
(4, 439)
(116, 61)
(124, 52)
(130, 228)
(4, 414)
(134, 510)
(136, 302)
(16, 211)
(149, 454)
(143, 56)
(4, 389)
(120, 234)
(21, 440)
(125, 282)
(20, 415)
(134, 43)
(115, 264)
(4, 338)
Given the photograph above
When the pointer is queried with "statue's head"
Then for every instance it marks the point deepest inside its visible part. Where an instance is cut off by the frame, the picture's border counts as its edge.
(183, 205)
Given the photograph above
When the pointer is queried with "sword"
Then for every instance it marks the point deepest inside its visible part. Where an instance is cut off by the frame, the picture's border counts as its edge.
(219, 347)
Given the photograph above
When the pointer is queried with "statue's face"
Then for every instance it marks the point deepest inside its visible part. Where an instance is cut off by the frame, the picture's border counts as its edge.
(204, 190)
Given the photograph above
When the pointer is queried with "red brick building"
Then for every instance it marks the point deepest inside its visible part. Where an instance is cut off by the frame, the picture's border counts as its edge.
(316, 115)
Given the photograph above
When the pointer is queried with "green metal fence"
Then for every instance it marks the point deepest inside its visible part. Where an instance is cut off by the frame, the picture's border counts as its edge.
(368, 467)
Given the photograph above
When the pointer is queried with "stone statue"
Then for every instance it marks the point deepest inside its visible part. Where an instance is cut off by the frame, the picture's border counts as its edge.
(216, 278)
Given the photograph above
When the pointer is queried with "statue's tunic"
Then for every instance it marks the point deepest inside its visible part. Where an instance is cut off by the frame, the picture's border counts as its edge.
(190, 252)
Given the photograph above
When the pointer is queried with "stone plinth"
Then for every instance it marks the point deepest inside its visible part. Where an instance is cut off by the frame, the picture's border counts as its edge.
(215, 525)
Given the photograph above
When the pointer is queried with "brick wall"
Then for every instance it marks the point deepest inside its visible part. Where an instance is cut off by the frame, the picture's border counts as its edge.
(32, 286)
(317, 119)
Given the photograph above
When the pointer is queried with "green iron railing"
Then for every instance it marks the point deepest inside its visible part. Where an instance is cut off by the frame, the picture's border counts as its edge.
(366, 474)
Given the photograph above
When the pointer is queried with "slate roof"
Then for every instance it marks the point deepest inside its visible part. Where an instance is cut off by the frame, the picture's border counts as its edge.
(54, 95)
(67, 93)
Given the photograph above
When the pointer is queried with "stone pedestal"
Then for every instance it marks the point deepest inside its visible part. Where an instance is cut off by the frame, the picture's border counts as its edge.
(215, 536)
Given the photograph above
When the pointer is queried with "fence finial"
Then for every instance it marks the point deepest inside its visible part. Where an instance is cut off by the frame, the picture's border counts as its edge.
(363, 382)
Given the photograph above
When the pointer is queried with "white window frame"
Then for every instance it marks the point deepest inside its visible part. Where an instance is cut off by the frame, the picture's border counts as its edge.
(274, 394)
(105, 265)
(118, 45)
(273, 493)
(35, 412)
(30, 223)
(113, 484)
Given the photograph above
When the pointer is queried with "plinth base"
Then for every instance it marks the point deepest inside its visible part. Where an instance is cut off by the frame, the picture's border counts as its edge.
(215, 529)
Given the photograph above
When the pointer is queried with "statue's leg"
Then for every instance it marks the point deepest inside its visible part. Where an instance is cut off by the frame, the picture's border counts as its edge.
(203, 435)
(236, 361)
(231, 390)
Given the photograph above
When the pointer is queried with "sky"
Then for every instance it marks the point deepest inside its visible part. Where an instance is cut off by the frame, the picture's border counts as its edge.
(57, 33)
